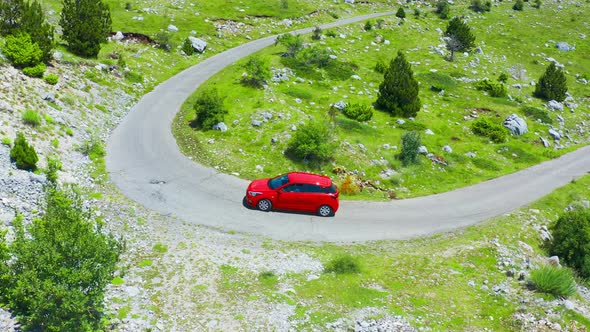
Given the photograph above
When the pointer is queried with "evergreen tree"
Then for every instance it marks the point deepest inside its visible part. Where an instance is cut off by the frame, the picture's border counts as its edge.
(23, 154)
(443, 8)
(459, 37)
(85, 25)
(19, 16)
(518, 5)
(398, 93)
(400, 13)
(552, 84)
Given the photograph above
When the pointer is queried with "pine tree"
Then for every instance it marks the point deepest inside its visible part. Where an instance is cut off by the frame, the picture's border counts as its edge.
(398, 93)
(400, 13)
(19, 16)
(459, 37)
(85, 25)
(23, 154)
(552, 84)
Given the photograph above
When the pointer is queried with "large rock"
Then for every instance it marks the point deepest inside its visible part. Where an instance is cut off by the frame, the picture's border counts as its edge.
(422, 149)
(220, 126)
(555, 105)
(340, 105)
(172, 28)
(118, 36)
(198, 44)
(515, 124)
(555, 134)
(564, 47)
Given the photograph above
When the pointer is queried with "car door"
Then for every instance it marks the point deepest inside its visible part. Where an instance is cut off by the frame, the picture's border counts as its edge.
(287, 197)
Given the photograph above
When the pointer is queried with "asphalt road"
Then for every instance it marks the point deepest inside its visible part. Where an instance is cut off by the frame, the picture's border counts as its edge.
(144, 161)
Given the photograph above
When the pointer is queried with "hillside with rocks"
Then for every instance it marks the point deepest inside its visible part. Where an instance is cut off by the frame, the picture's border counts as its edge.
(176, 276)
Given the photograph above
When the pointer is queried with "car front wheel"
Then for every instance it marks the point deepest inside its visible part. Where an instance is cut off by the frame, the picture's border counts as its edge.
(264, 205)
(325, 211)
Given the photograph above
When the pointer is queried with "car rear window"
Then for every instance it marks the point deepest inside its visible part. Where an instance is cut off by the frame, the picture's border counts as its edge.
(330, 190)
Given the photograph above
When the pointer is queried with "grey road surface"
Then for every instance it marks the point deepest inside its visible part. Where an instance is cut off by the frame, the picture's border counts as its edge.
(144, 161)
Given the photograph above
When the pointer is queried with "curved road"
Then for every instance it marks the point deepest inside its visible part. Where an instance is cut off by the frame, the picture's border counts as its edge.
(146, 164)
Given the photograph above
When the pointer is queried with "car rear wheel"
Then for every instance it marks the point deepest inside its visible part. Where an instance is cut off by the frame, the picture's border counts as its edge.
(325, 211)
(264, 205)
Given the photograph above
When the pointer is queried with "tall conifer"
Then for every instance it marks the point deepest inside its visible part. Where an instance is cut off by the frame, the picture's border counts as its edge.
(552, 84)
(85, 24)
(398, 93)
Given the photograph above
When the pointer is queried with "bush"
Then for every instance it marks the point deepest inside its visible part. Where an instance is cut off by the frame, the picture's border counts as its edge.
(209, 109)
(349, 186)
(503, 78)
(537, 114)
(312, 141)
(537, 4)
(552, 85)
(358, 112)
(163, 41)
(316, 56)
(368, 26)
(257, 72)
(293, 43)
(93, 148)
(400, 13)
(53, 165)
(380, 67)
(494, 131)
(479, 7)
(412, 126)
(553, 280)
(495, 89)
(23, 154)
(60, 266)
(409, 155)
(187, 47)
(343, 264)
(571, 240)
(443, 9)
(36, 71)
(399, 91)
(31, 118)
(22, 51)
(518, 5)
(51, 79)
(85, 25)
(317, 33)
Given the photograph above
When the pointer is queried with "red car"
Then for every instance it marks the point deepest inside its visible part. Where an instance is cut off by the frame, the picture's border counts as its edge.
(296, 191)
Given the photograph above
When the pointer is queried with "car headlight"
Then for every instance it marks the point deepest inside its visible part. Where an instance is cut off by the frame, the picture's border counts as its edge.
(254, 193)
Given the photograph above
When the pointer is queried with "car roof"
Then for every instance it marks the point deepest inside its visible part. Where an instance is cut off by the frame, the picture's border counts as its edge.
(309, 178)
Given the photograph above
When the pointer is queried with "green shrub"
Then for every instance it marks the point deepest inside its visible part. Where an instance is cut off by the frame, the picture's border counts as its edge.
(257, 72)
(93, 148)
(22, 51)
(358, 112)
(553, 280)
(494, 131)
(479, 7)
(317, 33)
(368, 26)
(380, 67)
(312, 141)
(571, 240)
(187, 47)
(6, 141)
(495, 89)
(51, 79)
(36, 71)
(409, 155)
(23, 154)
(163, 41)
(53, 165)
(503, 78)
(518, 5)
(85, 25)
(209, 109)
(443, 9)
(537, 4)
(31, 118)
(537, 114)
(331, 33)
(552, 85)
(343, 264)
(400, 13)
(485, 164)
(314, 56)
(399, 91)
(60, 266)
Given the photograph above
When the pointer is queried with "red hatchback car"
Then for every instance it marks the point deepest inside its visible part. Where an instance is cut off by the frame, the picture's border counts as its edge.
(296, 191)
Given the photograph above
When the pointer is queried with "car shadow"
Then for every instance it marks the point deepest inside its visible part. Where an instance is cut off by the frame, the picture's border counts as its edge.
(283, 211)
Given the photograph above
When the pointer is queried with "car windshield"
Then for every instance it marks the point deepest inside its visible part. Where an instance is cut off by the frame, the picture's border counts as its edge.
(278, 181)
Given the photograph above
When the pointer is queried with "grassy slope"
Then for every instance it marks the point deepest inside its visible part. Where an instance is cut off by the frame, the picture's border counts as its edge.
(243, 147)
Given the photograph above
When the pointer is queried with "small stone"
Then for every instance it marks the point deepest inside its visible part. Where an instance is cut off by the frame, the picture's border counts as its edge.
(428, 132)
(172, 28)
(447, 148)
(256, 123)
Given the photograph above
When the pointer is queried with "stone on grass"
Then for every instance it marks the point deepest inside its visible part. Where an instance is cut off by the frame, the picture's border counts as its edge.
(447, 148)
(515, 124)
(172, 28)
(256, 123)
(555, 105)
(428, 132)
(545, 142)
(198, 44)
(422, 149)
(556, 135)
(221, 127)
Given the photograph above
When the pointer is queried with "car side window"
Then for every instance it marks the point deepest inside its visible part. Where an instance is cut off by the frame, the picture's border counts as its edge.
(293, 188)
(311, 188)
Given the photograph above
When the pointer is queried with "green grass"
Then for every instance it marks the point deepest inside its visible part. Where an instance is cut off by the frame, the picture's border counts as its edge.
(117, 281)
(32, 118)
(553, 280)
(243, 147)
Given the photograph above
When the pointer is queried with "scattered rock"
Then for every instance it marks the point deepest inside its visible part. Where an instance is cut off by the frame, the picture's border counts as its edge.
(545, 142)
(221, 127)
(118, 36)
(556, 136)
(553, 260)
(447, 148)
(555, 105)
(198, 44)
(471, 154)
(564, 47)
(5, 107)
(515, 124)
(428, 132)
(340, 105)
(172, 28)
(400, 121)
(422, 149)
(256, 123)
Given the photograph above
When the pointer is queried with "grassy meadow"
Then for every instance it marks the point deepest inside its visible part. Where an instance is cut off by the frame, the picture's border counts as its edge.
(513, 43)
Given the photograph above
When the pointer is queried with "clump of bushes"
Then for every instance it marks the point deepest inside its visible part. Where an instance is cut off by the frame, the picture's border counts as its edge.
(349, 186)
(537, 114)
(51, 79)
(209, 109)
(494, 131)
(35, 71)
(187, 47)
(443, 9)
(257, 72)
(343, 264)
(553, 280)
(412, 126)
(400, 13)
(495, 89)
(479, 6)
(571, 238)
(93, 148)
(380, 67)
(411, 142)
(24, 53)
(31, 118)
(358, 112)
(518, 5)
(23, 154)
(311, 142)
